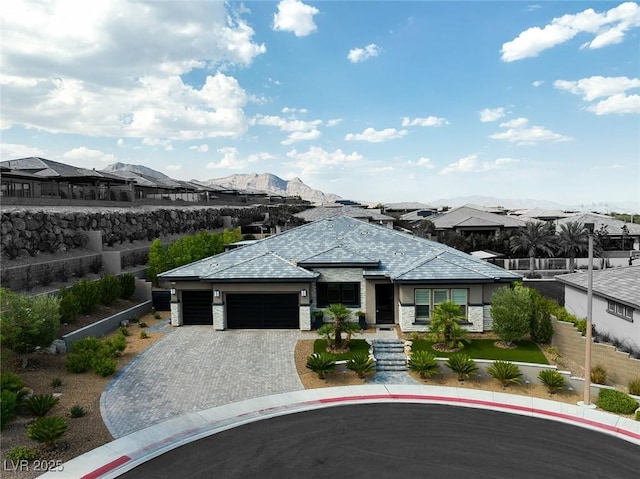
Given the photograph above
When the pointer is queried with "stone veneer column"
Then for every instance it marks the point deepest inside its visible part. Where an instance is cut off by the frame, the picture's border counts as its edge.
(176, 314)
(407, 318)
(476, 317)
(487, 318)
(305, 318)
(219, 322)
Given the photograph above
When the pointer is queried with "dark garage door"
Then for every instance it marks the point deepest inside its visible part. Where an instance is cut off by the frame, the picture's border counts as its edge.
(262, 311)
(196, 307)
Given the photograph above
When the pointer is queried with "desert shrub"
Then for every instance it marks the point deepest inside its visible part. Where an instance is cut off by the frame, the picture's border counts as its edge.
(78, 362)
(56, 383)
(361, 364)
(40, 404)
(505, 372)
(127, 285)
(70, 306)
(124, 331)
(113, 347)
(417, 336)
(424, 363)
(552, 379)
(463, 365)
(634, 387)
(77, 411)
(321, 363)
(27, 323)
(89, 344)
(88, 294)
(598, 374)
(540, 325)
(581, 325)
(47, 430)
(134, 319)
(11, 382)
(638, 415)
(110, 289)
(511, 310)
(616, 401)
(143, 335)
(142, 324)
(21, 453)
(8, 406)
(157, 315)
(553, 351)
(103, 366)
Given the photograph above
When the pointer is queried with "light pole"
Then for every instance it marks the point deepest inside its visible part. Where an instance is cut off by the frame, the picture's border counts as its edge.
(587, 347)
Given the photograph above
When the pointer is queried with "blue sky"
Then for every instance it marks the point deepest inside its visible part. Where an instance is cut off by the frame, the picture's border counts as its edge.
(375, 101)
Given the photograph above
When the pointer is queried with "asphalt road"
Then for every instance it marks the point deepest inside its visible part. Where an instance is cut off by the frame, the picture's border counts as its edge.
(400, 441)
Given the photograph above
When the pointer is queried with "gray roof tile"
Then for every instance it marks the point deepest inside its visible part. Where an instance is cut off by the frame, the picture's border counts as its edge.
(622, 284)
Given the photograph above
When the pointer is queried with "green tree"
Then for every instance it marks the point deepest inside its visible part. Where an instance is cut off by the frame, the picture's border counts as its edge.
(339, 313)
(27, 323)
(532, 239)
(445, 325)
(573, 239)
(158, 261)
(540, 325)
(511, 311)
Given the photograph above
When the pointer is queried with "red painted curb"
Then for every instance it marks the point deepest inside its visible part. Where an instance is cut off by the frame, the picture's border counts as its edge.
(106, 468)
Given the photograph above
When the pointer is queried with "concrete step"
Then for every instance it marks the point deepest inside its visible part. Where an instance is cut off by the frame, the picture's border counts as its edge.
(391, 356)
(391, 368)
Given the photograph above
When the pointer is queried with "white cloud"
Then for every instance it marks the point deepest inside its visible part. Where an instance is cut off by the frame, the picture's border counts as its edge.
(537, 83)
(173, 167)
(11, 151)
(261, 156)
(138, 53)
(300, 136)
(298, 129)
(286, 109)
(357, 55)
(334, 122)
(316, 159)
(517, 132)
(608, 27)
(201, 148)
(229, 159)
(376, 136)
(613, 89)
(428, 121)
(87, 158)
(120, 143)
(470, 164)
(423, 162)
(491, 114)
(294, 16)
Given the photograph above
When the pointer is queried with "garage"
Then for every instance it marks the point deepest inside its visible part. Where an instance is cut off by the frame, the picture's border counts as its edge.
(196, 307)
(262, 311)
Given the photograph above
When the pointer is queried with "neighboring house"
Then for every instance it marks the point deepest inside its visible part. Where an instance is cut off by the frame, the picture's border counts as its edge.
(541, 214)
(468, 220)
(615, 229)
(615, 305)
(371, 215)
(278, 282)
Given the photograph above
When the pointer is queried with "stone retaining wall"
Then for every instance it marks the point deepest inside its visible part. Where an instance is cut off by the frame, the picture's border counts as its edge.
(620, 366)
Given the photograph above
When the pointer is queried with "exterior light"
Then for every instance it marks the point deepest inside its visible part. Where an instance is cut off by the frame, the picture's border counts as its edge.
(216, 293)
(303, 293)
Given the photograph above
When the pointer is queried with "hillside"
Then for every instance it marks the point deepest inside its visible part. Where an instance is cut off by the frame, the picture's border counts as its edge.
(140, 169)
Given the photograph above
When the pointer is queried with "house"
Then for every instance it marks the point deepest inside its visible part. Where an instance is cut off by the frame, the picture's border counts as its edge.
(615, 310)
(623, 235)
(280, 281)
(330, 210)
(468, 220)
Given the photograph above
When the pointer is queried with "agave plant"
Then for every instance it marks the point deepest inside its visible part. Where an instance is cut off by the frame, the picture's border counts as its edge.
(552, 379)
(47, 430)
(462, 365)
(321, 363)
(361, 364)
(423, 363)
(506, 372)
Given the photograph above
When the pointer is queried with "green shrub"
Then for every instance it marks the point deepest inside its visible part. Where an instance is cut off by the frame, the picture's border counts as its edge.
(361, 364)
(40, 404)
(124, 331)
(616, 401)
(113, 347)
(634, 387)
(88, 294)
(76, 411)
(638, 415)
(144, 335)
(423, 363)
(69, 306)
(142, 324)
(103, 366)
(21, 453)
(581, 325)
(8, 406)
(10, 382)
(552, 379)
(110, 289)
(127, 285)
(598, 374)
(56, 383)
(505, 372)
(511, 310)
(321, 363)
(78, 362)
(540, 325)
(157, 315)
(90, 344)
(134, 320)
(462, 365)
(47, 430)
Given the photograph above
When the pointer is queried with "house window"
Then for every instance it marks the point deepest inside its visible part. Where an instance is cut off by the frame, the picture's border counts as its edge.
(459, 296)
(427, 299)
(440, 296)
(620, 310)
(333, 293)
(423, 304)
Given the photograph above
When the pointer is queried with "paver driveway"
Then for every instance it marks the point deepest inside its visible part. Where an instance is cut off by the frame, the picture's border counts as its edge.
(194, 368)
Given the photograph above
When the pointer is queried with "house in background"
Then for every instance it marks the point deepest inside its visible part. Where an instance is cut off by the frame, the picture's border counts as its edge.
(325, 211)
(615, 230)
(615, 309)
(467, 220)
(280, 281)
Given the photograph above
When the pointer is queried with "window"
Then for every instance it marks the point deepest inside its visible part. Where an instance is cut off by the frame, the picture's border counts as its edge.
(440, 296)
(459, 296)
(427, 299)
(423, 304)
(333, 293)
(620, 310)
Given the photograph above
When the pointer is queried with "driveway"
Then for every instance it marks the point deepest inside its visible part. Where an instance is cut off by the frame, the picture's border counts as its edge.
(194, 368)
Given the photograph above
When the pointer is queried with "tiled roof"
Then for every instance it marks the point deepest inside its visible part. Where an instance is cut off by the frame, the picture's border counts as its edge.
(338, 255)
(323, 212)
(402, 257)
(614, 226)
(267, 266)
(619, 284)
(466, 216)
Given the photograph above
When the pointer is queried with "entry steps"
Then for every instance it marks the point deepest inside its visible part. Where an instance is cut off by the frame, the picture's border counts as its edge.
(389, 354)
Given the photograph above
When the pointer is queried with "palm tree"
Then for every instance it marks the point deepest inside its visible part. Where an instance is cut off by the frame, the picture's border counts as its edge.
(573, 239)
(533, 238)
(339, 313)
(445, 325)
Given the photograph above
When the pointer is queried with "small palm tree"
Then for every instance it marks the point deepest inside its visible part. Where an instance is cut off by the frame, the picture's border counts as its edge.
(506, 372)
(573, 239)
(533, 238)
(361, 364)
(339, 313)
(463, 365)
(321, 363)
(445, 327)
(552, 379)
(423, 363)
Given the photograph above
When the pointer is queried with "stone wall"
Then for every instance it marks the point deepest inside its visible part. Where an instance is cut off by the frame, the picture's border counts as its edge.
(620, 366)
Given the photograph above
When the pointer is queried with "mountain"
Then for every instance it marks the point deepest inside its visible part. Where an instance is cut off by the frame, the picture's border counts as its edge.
(139, 169)
(274, 185)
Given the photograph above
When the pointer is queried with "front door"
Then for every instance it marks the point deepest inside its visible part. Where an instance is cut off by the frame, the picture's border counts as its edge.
(384, 304)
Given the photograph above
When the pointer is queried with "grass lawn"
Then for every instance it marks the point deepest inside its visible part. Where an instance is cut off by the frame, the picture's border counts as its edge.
(526, 352)
(355, 346)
